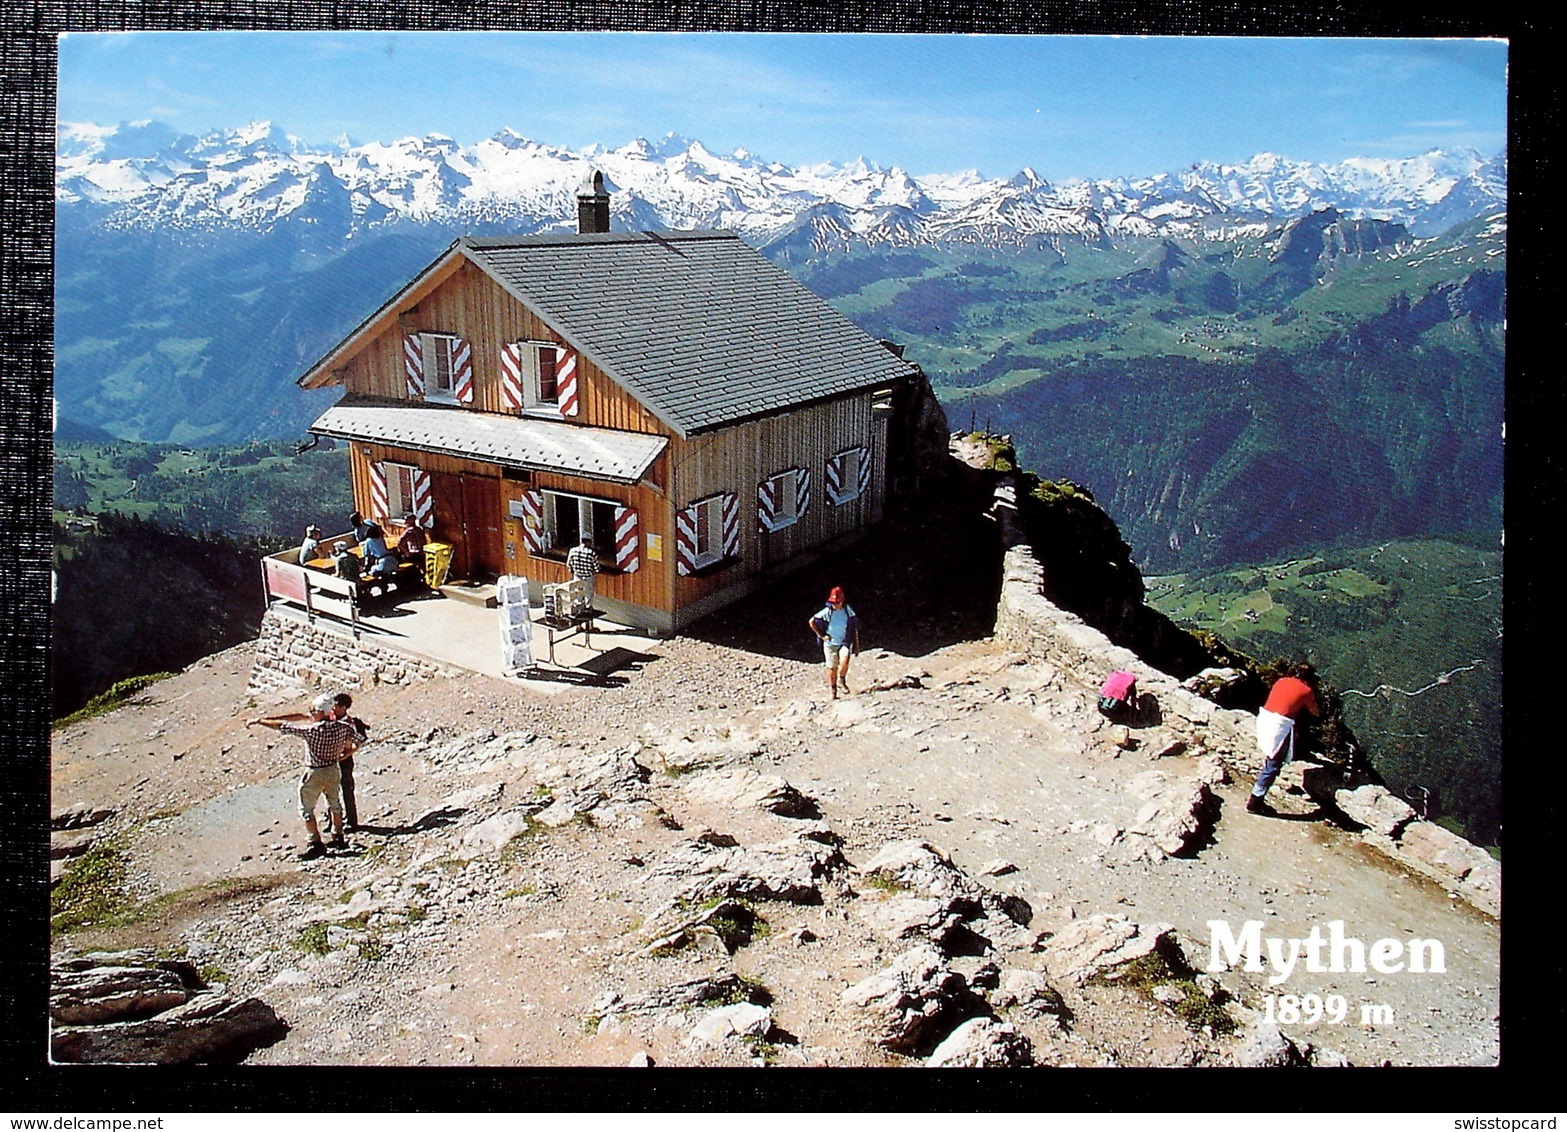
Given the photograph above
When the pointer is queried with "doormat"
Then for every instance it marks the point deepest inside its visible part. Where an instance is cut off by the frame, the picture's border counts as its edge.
(616, 658)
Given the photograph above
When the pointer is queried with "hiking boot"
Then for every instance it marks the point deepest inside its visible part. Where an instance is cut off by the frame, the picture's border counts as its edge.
(315, 850)
(1256, 805)
(338, 842)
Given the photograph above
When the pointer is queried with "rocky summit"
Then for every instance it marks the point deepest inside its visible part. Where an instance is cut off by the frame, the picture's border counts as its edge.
(960, 864)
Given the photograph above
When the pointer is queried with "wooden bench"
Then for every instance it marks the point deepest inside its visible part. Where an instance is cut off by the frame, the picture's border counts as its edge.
(317, 591)
(408, 579)
(317, 588)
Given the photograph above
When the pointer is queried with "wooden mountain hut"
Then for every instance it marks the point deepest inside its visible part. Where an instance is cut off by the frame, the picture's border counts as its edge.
(675, 395)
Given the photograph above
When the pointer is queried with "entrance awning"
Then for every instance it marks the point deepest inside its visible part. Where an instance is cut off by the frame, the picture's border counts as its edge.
(518, 442)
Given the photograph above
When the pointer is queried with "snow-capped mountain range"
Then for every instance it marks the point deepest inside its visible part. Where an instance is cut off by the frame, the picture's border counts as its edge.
(258, 177)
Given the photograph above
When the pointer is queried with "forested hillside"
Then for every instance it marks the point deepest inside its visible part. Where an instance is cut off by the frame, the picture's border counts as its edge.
(1410, 631)
(158, 548)
(1227, 401)
(134, 599)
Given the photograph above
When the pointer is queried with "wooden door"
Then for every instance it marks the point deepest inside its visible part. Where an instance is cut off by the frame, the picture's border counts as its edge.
(468, 515)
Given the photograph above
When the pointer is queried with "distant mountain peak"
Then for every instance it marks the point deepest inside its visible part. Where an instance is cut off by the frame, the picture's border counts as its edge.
(149, 174)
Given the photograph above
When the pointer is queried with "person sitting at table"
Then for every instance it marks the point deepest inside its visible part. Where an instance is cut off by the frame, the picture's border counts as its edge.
(411, 544)
(359, 525)
(379, 561)
(311, 546)
(345, 561)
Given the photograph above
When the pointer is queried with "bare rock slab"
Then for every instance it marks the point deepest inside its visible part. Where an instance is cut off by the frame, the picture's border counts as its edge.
(740, 1020)
(982, 1043)
(1375, 807)
(1099, 943)
(208, 1028)
(907, 1004)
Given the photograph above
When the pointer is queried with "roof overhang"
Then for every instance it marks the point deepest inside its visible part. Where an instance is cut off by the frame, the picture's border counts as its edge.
(515, 442)
(326, 371)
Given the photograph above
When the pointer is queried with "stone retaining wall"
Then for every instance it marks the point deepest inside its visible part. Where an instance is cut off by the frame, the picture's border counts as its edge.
(1028, 621)
(1031, 623)
(291, 653)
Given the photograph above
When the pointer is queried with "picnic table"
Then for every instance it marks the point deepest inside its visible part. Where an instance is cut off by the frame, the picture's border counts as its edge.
(408, 575)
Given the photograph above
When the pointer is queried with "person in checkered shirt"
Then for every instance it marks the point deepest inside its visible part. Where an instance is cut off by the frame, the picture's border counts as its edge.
(328, 740)
(583, 562)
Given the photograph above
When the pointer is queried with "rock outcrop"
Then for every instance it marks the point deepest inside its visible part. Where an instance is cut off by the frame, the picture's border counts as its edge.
(130, 1008)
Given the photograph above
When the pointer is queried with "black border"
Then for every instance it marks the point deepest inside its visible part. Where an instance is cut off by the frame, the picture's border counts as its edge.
(1532, 967)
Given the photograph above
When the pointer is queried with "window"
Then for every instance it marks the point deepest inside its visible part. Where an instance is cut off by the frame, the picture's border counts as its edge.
(543, 389)
(400, 490)
(568, 517)
(709, 532)
(439, 376)
(848, 475)
(782, 499)
(540, 376)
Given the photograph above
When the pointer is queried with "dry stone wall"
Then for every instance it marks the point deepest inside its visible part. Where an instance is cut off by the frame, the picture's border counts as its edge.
(292, 653)
(1030, 622)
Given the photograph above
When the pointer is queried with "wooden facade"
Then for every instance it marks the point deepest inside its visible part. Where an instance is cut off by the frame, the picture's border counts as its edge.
(472, 305)
(484, 508)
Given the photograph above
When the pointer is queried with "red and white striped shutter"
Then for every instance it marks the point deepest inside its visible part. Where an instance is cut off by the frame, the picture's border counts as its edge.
(462, 370)
(766, 505)
(511, 375)
(379, 505)
(685, 540)
(626, 537)
(835, 479)
(865, 470)
(731, 525)
(566, 380)
(413, 364)
(802, 490)
(533, 532)
(424, 500)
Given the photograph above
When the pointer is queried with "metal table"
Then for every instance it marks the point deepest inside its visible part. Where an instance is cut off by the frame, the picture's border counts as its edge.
(567, 627)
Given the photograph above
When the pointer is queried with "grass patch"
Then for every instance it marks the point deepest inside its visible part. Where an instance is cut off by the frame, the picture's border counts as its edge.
(885, 883)
(763, 1049)
(1148, 972)
(116, 696)
(315, 939)
(312, 940)
(513, 849)
(739, 928)
(92, 892)
(739, 988)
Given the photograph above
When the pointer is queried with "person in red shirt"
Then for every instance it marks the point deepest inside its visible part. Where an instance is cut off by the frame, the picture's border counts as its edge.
(1290, 697)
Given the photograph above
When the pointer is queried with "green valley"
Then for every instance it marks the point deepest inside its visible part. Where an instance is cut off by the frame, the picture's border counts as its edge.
(1409, 631)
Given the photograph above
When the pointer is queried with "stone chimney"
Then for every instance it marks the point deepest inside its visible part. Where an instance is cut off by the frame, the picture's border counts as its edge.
(592, 204)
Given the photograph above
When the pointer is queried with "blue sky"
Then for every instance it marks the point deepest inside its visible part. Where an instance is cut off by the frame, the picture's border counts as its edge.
(1067, 106)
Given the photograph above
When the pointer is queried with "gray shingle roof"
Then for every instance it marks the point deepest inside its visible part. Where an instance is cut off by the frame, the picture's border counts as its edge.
(699, 327)
(523, 442)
